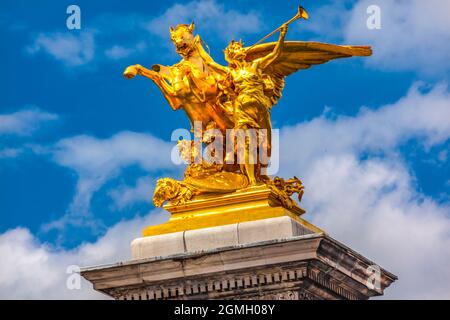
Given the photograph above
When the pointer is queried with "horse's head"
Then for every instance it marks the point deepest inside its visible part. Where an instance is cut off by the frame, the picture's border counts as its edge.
(183, 38)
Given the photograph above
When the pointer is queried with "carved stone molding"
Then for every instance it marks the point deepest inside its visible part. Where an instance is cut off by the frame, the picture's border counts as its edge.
(301, 268)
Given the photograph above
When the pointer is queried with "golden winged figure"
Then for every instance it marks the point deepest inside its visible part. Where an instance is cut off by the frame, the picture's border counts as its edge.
(234, 101)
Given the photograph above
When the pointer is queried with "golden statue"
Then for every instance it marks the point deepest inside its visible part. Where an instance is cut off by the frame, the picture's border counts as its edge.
(233, 101)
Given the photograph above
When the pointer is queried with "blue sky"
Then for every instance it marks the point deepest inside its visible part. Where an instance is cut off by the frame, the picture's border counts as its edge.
(81, 147)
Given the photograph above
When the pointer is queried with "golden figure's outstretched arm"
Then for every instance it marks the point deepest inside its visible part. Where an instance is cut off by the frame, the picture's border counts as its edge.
(266, 61)
(221, 70)
(202, 52)
(217, 68)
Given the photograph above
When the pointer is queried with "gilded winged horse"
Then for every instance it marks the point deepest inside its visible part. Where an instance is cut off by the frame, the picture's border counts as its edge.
(237, 96)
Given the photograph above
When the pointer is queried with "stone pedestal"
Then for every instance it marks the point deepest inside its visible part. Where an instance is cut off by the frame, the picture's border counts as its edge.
(243, 246)
(312, 266)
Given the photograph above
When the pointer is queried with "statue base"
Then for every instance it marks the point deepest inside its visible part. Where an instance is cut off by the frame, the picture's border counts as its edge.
(250, 204)
(243, 245)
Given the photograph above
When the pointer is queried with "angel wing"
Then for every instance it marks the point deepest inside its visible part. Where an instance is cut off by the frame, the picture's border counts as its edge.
(298, 55)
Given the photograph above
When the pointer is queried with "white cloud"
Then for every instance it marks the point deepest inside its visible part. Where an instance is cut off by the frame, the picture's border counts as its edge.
(24, 122)
(124, 195)
(70, 48)
(34, 270)
(360, 190)
(415, 35)
(423, 116)
(210, 17)
(96, 161)
(90, 156)
(10, 153)
(117, 52)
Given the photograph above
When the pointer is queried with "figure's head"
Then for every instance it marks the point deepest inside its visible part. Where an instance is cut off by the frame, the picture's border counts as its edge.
(183, 38)
(235, 51)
